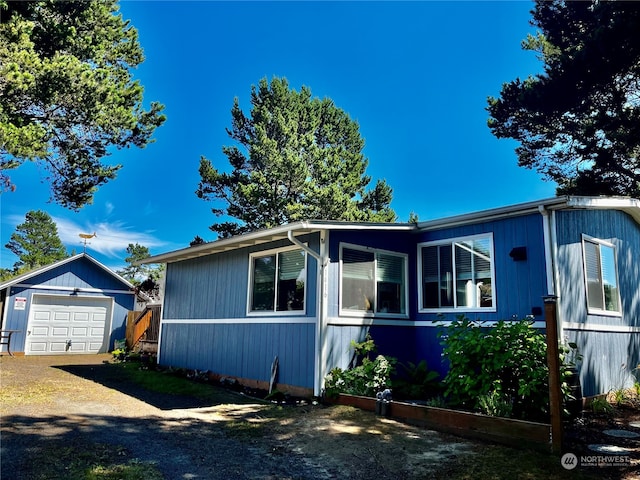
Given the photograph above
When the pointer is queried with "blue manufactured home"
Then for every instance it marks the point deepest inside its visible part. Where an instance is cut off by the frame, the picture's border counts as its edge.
(301, 292)
(76, 305)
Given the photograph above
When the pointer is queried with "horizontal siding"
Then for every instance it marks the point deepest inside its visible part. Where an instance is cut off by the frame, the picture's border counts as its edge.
(244, 350)
(216, 286)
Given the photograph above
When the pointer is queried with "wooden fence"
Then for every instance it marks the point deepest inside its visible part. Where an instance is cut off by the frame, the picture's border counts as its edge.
(143, 328)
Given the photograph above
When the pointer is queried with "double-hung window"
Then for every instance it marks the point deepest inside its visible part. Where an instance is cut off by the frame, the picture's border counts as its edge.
(601, 276)
(457, 274)
(373, 281)
(277, 281)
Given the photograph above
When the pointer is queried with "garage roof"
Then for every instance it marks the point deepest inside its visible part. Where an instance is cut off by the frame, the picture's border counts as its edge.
(26, 276)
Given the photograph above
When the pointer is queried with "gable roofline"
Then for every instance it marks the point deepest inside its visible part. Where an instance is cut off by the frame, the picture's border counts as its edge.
(258, 237)
(628, 205)
(46, 268)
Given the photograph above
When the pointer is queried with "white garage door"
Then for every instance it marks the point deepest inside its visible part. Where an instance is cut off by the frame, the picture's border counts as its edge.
(67, 324)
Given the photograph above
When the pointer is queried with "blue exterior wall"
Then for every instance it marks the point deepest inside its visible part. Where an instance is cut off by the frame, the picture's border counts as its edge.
(520, 286)
(206, 325)
(216, 286)
(609, 356)
(244, 350)
(399, 242)
(230, 342)
(81, 274)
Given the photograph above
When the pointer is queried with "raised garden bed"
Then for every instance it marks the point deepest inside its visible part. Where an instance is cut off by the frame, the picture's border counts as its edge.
(507, 431)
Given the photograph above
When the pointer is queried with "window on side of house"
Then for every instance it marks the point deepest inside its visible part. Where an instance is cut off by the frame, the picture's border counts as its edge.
(277, 281)
(373, 282)
(601, 276)
(457, 274)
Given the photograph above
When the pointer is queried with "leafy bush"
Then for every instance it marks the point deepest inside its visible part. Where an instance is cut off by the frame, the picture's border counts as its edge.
(416, 381)
(119, 354)
(367, 378)
(495, 404)
(504, 363)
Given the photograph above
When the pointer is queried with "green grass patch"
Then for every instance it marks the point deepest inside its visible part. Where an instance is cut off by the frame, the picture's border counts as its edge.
(87, 461)
(171, 383)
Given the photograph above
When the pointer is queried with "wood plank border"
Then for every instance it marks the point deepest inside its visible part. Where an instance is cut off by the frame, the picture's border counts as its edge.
(507, 431)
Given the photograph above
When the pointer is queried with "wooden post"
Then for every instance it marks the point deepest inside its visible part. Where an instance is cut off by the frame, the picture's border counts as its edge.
(553, 362)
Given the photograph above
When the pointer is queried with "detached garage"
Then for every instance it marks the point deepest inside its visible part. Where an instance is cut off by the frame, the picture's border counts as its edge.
(73, 306)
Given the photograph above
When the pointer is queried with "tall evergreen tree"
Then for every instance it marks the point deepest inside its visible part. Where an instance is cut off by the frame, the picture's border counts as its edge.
(578, 122)
(67, 94)
(145, 277)
(295, 158)
(36, 242)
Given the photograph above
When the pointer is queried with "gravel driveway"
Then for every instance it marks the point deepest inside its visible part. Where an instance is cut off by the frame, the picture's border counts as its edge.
(76, 401)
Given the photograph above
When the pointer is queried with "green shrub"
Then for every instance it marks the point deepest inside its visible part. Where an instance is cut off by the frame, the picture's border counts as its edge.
(416, 382)
(367, 378)
(504, 362)
(600, 405)
(495, 404)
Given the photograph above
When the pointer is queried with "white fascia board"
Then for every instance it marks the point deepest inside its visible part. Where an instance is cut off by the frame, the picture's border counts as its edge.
(492, 214)
(269, 235)
(628, 205)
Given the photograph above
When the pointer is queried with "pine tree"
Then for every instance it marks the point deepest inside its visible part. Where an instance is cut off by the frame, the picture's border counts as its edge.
(36, 242)
(296, 157)
(578, 122)
(67, 95)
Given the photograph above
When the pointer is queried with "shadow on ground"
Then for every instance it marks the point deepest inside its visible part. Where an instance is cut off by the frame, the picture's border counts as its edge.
(36, 448)
(111, 376)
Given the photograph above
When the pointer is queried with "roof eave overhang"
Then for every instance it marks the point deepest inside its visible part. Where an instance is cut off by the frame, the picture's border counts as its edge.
(626, 204)
(259, 237)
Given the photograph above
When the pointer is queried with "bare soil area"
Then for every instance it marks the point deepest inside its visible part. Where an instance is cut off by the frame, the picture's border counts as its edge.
(77, 401)
(65, 405)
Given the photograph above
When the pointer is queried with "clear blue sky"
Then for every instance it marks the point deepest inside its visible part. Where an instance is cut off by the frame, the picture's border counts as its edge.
(414, 75)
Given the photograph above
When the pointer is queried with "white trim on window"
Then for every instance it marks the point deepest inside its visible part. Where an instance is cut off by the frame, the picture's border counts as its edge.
(250, 284)
(376, 294)
(595, 291)
(473, 290)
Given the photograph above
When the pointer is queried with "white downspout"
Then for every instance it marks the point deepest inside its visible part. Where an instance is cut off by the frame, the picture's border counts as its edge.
(304, 247)
(321, 307)
(321, 331)
(162, 290)
(550, 252)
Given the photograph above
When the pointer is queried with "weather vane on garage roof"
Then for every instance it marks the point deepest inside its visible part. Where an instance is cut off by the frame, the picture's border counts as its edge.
(85, 237)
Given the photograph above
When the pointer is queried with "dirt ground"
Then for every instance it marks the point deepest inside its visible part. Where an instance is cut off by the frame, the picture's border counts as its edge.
(66, 404)
(75, 401)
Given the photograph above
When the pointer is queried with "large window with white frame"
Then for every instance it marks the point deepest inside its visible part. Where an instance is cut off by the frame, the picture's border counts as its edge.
(372, 281)
(601, 276)
(277, 281)
(457, 274)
